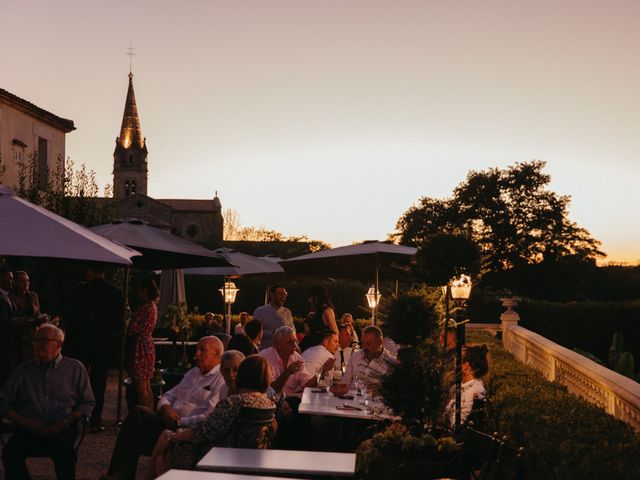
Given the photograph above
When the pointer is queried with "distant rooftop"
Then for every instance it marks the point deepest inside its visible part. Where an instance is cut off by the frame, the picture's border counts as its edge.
(41, 114)
(188, 204)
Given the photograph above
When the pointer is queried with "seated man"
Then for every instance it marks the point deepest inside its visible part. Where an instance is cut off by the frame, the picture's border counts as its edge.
(253, 329)
(186, 404)
(288, 373)
(321, 357)
(45, 398)
(346, 346)
(366, 364)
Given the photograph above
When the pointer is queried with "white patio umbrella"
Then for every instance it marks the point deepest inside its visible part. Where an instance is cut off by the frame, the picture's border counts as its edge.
(171, 290)
(160, 250)
(244, 265)
(365, 261)
(29, 230)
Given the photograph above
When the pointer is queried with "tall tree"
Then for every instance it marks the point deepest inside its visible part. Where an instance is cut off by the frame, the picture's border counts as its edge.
(509, 213)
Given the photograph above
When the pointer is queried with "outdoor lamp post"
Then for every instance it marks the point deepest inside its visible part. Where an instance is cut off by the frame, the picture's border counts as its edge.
(460, 292)
(373, 298)
(228, 292)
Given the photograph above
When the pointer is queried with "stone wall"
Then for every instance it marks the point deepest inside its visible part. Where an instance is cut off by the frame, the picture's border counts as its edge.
(615, 393)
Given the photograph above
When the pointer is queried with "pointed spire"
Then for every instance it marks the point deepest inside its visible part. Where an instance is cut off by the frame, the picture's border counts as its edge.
(130, 131)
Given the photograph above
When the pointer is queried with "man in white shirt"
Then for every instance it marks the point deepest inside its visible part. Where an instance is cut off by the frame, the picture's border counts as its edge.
(321, 356)
(186, 404)
(288, 372)
(366, 364)
(273, 315)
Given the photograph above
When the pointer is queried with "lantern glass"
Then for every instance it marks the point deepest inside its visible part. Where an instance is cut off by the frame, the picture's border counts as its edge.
(229, 292)
(373, 297)
(461, 287)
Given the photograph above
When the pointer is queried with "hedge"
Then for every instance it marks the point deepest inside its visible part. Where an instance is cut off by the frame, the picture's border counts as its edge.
(564, 436)
(589, 325)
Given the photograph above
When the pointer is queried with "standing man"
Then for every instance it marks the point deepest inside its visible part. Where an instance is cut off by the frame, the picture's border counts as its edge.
(273, 315)
(45, 398)
(93, 323)
(8, 332)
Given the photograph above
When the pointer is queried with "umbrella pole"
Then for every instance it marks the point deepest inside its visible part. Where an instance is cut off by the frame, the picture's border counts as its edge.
(227, 306)
(375, 310)
(122, 342)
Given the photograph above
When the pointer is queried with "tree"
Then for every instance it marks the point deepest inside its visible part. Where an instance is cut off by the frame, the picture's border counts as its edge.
(233, 231)
(70, 192)
(443, 256)
(510, 214)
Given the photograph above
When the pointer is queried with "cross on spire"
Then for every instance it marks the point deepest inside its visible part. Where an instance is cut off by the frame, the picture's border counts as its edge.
(130, 54)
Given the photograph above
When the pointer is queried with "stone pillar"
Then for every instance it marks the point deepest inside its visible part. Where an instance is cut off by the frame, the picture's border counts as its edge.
(508, 318)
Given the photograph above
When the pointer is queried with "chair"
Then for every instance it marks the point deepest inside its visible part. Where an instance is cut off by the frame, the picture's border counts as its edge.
(7, 428)
(254, 428)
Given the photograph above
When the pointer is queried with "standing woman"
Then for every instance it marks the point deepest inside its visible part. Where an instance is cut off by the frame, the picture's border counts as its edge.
(142, 354)
(27, 302)
(322, 318)
(27, 314)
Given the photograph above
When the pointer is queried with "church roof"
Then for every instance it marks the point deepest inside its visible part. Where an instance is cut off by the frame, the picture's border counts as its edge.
(29, 108)
(130, 131)
(185, 204)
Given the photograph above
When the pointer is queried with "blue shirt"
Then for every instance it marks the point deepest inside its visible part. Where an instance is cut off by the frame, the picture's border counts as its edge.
(48, 392)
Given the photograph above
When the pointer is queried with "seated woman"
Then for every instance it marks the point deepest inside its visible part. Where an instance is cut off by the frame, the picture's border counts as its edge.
(474, 366)
(185, 448)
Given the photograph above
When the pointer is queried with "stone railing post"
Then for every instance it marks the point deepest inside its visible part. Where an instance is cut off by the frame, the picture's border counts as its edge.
(508, 318)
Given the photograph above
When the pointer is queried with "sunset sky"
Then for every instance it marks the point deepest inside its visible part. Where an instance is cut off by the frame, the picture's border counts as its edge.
(330, 118)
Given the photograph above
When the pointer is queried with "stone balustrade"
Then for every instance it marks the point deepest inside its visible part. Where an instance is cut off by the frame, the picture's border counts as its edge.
(615, 393)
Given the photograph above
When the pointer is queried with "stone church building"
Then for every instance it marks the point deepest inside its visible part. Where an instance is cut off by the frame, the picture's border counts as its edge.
(199, 221)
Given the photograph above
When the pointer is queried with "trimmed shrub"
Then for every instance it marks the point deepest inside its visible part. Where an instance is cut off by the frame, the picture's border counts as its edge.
(564, 436)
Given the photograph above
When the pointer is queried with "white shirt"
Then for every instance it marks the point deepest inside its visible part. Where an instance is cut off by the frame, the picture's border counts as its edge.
(195, 396)
(342, 357)
(360, 367)
(238, 329)
(295, 383)
(469, 392)
(315, 358)
(272, 320)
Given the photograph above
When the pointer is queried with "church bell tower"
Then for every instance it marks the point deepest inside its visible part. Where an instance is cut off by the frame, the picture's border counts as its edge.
(130, 156)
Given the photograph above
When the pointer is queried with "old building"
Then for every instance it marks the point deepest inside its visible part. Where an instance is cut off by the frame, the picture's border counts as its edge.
(29, 135)
(197, 220)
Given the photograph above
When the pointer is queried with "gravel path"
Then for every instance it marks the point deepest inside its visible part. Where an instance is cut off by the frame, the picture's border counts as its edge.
(95, 452)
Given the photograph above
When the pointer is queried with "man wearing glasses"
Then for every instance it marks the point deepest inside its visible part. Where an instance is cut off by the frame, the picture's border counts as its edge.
(273, 315)
(45, 398)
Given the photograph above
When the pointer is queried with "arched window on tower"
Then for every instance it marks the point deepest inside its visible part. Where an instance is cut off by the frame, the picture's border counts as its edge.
(126, 188)
(133, 187)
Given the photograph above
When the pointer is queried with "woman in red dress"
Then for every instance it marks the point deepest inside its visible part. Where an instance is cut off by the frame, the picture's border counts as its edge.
(142, 354)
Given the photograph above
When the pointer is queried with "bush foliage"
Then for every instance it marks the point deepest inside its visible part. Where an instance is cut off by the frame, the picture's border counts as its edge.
(587, 326)
(564, 436)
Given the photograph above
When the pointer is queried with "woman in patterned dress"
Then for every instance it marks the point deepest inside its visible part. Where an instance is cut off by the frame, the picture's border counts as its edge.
(184, 449)
(142, 354)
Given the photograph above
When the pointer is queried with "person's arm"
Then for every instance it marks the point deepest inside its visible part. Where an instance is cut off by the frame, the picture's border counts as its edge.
(279, 383)
(329, 319)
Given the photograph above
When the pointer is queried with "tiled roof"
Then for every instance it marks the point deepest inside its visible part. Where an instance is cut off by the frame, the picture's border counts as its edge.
(186, 204)
(41, 114)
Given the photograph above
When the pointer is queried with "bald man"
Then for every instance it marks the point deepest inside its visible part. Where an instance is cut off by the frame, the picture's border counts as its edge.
(184, 405)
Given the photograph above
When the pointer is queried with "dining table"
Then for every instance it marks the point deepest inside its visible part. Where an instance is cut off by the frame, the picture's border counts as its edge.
(195, 475)
(319, 401)
(278, 462)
